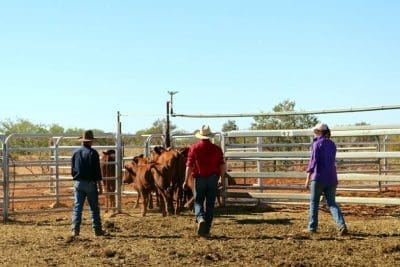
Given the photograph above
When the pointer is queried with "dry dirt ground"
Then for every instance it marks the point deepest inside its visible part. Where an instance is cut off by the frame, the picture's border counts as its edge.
(242, 235)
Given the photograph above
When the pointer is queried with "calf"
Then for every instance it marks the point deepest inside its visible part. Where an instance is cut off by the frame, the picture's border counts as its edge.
(146, 177)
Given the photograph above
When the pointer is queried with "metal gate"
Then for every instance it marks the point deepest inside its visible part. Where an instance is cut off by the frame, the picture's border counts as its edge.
(36, 172)
(367, 160)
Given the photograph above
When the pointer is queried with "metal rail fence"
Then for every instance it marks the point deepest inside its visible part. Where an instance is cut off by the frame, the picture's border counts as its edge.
(267, 165)
(275, 161)
(36, 170)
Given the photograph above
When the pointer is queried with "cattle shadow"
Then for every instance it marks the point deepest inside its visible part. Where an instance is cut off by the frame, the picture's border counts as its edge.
(363, 235)
(145, 236)
(242, 209)
(260, 237)
(285, 221)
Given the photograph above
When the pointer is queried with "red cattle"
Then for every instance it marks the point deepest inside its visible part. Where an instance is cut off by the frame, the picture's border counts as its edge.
(146, 177)
(108, 171)
(171, 167)
(138, 172)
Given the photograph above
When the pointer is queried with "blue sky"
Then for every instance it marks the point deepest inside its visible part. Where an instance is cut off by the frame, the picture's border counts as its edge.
(76, 63)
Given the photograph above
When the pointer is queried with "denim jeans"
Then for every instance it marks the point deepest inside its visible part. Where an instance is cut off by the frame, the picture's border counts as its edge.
(329, 192)
(83, 190)
(205, 188)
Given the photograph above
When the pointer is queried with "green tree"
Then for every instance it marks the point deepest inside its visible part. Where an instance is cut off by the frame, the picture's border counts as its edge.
(22, 126)
(56, 129)
(230, 125)
(286, 121)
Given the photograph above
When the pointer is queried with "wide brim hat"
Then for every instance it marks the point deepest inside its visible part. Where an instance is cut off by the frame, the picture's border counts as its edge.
(87, 136)
(320, 127)
(204, 133)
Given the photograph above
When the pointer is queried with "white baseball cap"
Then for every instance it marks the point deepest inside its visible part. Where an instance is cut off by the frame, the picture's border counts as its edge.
(320, 127)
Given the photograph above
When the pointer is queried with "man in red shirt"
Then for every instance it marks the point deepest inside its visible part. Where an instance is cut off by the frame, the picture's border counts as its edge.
(206, 163)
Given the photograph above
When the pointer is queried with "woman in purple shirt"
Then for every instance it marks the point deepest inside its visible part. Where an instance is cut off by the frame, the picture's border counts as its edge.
(322, 178)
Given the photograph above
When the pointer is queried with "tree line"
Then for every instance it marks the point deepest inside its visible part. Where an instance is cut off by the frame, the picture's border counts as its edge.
(158, 127)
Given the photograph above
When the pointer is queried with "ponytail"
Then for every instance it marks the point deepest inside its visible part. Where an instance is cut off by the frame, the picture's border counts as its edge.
(326, 133)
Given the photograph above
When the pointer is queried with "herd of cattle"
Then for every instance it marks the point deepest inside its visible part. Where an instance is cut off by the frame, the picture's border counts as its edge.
(162, 173)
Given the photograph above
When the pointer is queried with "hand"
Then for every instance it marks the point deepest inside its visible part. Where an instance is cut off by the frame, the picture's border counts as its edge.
(219, 184)
(100, 190)
(306, 184)
(184, 185)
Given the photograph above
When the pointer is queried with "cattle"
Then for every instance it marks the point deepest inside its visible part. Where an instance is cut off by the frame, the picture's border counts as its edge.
(138, 172)
(170, 164)
(147, 177)
(107, 172)
(174, 162)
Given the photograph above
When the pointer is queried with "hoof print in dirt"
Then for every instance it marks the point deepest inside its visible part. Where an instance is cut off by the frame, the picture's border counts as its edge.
(109, 253)
(212, 257)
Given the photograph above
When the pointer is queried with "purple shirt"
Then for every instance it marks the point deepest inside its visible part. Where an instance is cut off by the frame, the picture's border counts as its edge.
(322, 162)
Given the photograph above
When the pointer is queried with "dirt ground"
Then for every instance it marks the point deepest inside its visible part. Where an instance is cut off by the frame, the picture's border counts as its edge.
(242, 235)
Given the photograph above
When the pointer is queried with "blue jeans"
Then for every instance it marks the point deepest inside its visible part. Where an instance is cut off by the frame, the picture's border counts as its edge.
(330, 194)
(83, 190)
(205, 189)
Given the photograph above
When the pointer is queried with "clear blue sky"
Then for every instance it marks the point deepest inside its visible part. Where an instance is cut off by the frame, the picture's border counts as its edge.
(76, 63)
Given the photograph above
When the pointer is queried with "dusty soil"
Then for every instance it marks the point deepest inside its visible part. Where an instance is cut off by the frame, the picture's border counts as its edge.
(242, 235)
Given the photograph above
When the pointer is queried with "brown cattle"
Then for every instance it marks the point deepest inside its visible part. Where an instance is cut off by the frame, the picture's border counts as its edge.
(107, 172)
(138, 172)
(146, 177)
(171, 167)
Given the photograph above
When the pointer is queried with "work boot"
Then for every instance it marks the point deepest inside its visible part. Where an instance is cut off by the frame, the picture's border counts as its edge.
(74, 233)
(99, 232)
(343, 231)
(201, 227)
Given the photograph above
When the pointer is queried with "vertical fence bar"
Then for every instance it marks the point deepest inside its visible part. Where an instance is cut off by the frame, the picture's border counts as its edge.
(6, 182)
(56, 158)
(226, 180)
(118, 166)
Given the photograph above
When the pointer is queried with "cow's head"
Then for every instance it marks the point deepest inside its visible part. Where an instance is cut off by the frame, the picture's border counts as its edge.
(131, 169)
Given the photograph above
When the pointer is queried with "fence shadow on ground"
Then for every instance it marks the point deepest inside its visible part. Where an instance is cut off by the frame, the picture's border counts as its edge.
(285, 221)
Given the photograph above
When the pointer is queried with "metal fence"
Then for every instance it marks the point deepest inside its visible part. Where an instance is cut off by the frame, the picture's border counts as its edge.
(36, 169)
(270, 165)
(266, 165)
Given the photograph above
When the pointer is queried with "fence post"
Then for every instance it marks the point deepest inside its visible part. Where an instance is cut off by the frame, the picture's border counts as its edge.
(225, 183)
(119, 158)
(6, 183)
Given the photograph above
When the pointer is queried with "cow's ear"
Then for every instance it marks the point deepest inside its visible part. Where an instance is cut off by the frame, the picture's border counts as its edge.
(158, 149)
(110, 151)
(136, 158)
(104, 152)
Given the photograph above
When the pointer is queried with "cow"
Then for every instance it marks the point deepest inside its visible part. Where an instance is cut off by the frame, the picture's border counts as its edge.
(171, 167)
(138, 172)
(107, 172)
(147, 177)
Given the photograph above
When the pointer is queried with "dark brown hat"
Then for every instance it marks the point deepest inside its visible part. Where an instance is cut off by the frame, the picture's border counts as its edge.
(87, 136)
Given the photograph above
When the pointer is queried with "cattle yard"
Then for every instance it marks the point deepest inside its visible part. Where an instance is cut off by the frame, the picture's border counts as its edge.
(262, 221)
(263, 166)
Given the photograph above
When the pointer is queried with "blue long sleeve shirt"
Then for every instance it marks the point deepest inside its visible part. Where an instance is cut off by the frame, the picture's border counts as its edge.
(322, 163)
(85, 164)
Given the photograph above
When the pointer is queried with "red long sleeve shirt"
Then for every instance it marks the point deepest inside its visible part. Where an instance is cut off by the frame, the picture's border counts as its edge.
(205, 159)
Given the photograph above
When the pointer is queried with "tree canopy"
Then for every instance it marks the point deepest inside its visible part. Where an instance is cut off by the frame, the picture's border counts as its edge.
(284, 122)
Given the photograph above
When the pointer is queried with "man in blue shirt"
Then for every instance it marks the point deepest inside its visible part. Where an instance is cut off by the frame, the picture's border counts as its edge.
(86, 173)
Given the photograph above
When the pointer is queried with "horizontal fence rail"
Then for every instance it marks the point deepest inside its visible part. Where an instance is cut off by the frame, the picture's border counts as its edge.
(265, 165)
(368, 160)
